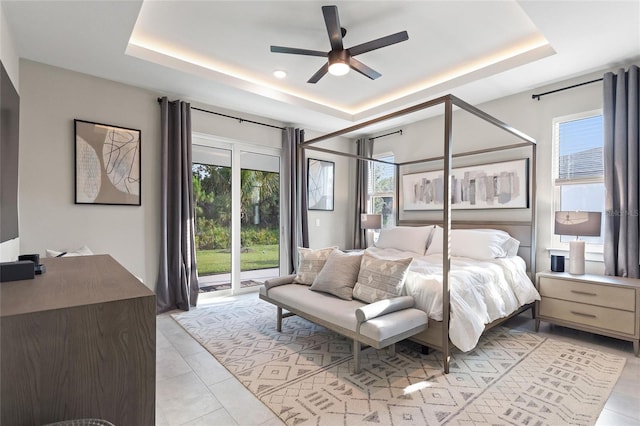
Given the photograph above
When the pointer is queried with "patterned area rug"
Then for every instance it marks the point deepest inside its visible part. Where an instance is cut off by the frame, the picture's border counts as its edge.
(304, 374)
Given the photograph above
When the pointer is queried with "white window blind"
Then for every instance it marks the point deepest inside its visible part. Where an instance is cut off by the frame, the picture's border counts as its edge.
(578, 167)
(579, 149)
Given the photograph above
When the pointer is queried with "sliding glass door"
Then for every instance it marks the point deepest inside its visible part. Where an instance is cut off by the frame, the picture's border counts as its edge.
(259, 217)
(211, 170)
(237, 205)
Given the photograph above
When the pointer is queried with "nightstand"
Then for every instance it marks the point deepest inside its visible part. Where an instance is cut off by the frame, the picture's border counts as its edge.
(595, 303)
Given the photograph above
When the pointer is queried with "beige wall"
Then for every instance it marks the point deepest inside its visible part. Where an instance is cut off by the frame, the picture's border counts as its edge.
(525, 114)
(51, 98)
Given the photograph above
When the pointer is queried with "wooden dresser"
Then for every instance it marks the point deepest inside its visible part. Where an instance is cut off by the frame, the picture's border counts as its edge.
(596, 303)
(78, 342)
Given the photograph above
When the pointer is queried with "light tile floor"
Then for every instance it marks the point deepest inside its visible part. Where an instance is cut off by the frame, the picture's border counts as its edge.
(192, 388)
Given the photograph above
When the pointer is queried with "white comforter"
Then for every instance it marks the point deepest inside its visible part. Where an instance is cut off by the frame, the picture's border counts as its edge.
(481, 291)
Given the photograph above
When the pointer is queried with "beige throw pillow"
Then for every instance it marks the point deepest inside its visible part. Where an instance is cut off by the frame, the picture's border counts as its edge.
(380, 278)
(339, 274)
(310, 263)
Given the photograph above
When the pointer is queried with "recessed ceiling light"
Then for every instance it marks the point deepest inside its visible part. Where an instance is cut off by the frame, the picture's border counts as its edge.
(279, 74)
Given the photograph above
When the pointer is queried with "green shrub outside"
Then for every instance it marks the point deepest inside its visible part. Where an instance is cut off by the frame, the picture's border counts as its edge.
(210, 236)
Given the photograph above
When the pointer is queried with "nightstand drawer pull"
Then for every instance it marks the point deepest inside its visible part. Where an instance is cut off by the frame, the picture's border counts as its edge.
(583, 314)
(584, 293)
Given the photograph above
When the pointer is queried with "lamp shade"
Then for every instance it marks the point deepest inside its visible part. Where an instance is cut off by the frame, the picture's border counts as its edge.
(371, 221)
(580, 224)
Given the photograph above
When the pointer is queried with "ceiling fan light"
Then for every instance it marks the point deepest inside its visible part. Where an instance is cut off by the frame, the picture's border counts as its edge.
(338, 68)
(338, 62)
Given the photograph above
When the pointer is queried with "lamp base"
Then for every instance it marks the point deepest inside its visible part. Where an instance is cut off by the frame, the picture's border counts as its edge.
(576, 257)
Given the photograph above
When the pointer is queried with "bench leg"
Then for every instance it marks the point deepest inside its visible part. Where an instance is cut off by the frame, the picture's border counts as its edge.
(356, 355)
(392, 349)
(279, 319)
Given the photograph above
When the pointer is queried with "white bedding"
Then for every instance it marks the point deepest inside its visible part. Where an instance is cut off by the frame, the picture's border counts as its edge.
(481, 291)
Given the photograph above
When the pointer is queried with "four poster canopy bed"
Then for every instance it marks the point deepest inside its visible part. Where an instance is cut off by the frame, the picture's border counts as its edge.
(467, 275)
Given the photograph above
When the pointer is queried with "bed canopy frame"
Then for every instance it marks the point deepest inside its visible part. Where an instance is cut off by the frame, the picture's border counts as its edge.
(522, 230)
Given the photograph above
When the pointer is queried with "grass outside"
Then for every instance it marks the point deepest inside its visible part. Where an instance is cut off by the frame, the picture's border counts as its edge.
(212, 262)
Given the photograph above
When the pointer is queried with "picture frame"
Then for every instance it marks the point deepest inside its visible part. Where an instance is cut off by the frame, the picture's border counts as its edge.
(497, 185)
(320, 184)
(108, 164)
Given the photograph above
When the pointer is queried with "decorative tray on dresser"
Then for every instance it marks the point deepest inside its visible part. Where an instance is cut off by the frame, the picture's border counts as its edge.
(595, 303)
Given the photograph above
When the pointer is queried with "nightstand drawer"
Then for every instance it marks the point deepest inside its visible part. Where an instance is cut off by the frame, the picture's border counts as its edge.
(594, 316)
(593, 294)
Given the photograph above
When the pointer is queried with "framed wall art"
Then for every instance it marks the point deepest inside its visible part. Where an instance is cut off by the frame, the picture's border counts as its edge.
(487, 186)
(107, 164)
(320, 176)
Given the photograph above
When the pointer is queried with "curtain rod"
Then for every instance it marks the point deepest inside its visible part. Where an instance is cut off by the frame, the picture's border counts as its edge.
(387, 134)
(538, 96)
(241, 120)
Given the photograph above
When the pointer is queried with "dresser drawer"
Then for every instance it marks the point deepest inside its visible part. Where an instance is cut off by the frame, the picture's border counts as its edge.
(593, 294)
(594, 316)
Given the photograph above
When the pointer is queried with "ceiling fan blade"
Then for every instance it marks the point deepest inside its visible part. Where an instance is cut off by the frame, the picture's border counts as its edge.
(378, 43)
(363, 69)
(319, 74)
(332, 22)
(295, 51)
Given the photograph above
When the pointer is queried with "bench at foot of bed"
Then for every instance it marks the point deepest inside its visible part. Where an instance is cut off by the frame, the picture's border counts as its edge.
(380, 324)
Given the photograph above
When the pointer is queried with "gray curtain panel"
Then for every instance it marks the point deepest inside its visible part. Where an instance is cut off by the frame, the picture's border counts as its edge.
(365, 149)
(295, 194)
(177, 286)
(621, 162)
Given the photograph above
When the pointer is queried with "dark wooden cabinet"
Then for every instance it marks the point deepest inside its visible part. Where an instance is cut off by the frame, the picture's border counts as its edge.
(78, 342)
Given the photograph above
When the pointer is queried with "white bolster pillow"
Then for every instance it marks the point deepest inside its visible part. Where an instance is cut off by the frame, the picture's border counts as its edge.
(383, 307)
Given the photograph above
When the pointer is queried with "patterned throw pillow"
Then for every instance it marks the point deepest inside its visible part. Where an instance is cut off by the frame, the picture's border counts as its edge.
(380, 278)
(310, 263)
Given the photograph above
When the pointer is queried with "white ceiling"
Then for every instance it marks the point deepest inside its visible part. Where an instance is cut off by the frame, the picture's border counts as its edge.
(217, 52)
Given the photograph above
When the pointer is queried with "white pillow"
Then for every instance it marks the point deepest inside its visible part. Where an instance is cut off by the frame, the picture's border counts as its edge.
(405, 238)
(482, 244)
(82, 251)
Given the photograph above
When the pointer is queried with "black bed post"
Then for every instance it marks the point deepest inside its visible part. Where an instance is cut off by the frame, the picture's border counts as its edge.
(446, 224)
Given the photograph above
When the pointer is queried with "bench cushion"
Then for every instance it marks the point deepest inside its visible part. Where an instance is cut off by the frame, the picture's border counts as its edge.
(343, 312)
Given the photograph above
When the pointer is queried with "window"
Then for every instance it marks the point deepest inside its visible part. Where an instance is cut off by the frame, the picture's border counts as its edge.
(382, 189)
(579, 169)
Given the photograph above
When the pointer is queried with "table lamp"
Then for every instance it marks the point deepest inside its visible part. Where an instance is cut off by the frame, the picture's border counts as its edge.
(370, 221)
(580, 224)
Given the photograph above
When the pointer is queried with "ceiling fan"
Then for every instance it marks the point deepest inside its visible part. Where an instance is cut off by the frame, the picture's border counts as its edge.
(341, 59)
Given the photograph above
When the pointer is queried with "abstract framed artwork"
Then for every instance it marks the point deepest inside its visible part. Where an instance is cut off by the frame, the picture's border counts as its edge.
(502, 185)
(320, 175)
(107, 164)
